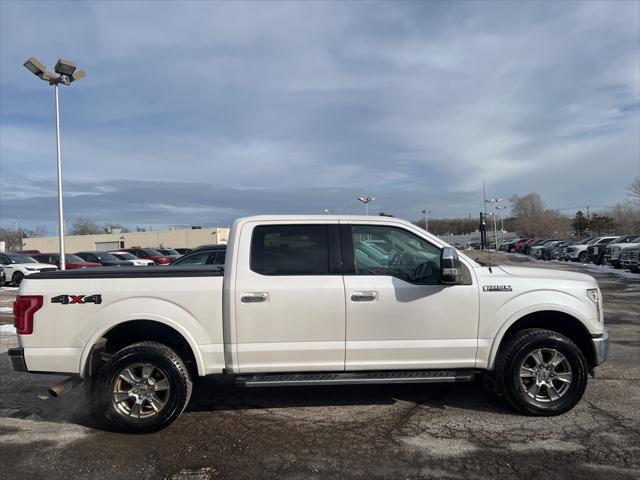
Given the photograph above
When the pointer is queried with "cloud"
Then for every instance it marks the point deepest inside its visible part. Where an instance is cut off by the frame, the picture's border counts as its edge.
(413, 102)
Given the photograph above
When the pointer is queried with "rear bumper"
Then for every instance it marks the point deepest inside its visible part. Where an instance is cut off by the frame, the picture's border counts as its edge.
(600, 348)
(16, 357)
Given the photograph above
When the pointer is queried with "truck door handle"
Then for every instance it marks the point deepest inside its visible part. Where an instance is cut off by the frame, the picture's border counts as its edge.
(257, 297)
(364, 296)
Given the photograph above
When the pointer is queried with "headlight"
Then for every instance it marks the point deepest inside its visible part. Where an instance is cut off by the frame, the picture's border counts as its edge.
(594, 296)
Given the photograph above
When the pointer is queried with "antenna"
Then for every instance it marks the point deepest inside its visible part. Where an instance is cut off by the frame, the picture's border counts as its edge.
(484, 198)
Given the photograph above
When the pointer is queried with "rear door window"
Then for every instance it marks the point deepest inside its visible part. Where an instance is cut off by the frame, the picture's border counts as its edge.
(290, 250)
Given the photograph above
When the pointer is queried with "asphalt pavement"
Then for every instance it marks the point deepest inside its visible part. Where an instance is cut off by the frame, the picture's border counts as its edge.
(360, 432)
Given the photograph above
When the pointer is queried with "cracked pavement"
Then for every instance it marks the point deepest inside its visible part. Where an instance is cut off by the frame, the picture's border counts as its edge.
(378, 431)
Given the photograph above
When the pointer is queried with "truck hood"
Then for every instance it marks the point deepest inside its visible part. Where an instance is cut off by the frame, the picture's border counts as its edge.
(547, 273)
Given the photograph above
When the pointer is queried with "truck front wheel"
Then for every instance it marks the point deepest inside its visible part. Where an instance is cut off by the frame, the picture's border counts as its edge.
(541, 372)
(142, 388)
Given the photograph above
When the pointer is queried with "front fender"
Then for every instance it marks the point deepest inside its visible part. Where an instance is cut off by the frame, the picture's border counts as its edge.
(543, 300)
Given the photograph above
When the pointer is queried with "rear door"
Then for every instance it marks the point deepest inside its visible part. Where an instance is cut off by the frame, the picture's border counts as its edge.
(289, 298)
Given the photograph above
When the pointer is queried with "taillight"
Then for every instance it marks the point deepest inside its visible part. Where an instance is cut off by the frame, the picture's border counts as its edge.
(24, 307)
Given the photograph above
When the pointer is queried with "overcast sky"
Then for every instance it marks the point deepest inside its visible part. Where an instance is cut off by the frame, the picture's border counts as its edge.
(200, 112)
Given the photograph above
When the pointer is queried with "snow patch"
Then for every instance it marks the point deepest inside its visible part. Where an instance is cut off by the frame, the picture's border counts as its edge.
(25, 432)
(7, 330)
(6, 309)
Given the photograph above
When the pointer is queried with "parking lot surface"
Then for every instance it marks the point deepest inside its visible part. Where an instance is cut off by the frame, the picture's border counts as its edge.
(413, 431)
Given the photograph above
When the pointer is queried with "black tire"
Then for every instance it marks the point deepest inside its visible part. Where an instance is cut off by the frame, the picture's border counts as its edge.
(16, 278)
(169, 369)
(515, 354)
(582, 257)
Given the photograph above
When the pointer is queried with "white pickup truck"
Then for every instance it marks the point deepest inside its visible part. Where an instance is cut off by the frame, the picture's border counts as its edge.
(312, 300)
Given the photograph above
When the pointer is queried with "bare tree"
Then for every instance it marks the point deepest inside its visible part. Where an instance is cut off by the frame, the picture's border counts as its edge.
(633, 190)
(85, 226)
(532, 218)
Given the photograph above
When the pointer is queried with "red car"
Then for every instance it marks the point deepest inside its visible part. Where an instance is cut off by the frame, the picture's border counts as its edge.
(149, 254)
(71, 261)
(519, 246)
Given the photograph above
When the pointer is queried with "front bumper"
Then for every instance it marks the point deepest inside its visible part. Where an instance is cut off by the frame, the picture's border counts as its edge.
(600, 348)
(16, 356)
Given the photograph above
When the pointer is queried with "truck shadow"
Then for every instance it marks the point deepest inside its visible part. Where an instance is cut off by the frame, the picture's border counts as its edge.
(215, 395)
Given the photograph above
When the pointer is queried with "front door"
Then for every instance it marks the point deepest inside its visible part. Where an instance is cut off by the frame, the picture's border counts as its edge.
(398, 314)
(290, 301)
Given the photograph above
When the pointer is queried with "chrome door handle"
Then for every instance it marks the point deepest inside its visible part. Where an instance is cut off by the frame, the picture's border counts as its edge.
(364, 296)
(257, 297)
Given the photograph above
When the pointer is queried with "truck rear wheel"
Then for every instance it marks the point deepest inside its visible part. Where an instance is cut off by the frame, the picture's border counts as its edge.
(541, 372)
(142, 388)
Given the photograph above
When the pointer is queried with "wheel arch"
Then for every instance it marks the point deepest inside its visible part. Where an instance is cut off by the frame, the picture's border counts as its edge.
(554, 320)
(132, 331)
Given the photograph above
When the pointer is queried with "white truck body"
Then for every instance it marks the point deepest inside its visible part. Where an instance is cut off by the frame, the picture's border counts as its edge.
(242, 322)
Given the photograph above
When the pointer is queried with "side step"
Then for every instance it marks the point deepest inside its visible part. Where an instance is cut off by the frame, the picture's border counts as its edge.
(350, 378)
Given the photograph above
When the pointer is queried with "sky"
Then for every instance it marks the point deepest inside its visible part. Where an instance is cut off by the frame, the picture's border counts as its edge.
(196, 113)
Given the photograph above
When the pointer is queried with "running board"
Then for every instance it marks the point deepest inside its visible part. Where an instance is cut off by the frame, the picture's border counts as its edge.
(351, 378)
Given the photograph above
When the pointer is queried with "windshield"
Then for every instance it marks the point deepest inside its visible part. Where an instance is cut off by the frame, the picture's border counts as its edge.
(152, 253)
(125, 256)
(72, 259)
(19, 258)
(169, 251)
(106, 257)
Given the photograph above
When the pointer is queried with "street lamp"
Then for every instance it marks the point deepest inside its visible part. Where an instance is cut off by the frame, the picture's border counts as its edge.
(366, 201)
(504, 207)
(327, 211)
(493, 202)
(425, 216)
(65, 74)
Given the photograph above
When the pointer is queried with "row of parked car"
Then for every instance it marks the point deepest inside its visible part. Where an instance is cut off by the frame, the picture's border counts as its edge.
(14, 266)
(618, 251)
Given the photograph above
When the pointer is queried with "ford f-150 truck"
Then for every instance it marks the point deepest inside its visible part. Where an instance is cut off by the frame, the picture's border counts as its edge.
(320, 300)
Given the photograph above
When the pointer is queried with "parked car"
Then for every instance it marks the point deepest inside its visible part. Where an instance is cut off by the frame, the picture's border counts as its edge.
(596, 253)
(578, 251)
(629, 258)
(71, 261)
(613, 251)
(183, 251)
(17, 266)
(135, 261)
(297, 308)
(149, 254)
(214, 255)
(526, 249)
(519, 246)
(555, 251)
(536, 250)
(104, 258)
(169, 252)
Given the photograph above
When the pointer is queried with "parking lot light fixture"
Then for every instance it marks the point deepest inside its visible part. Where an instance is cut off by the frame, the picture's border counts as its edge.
(366, 201)
(65, 67)
(66, 74)
(425, 216)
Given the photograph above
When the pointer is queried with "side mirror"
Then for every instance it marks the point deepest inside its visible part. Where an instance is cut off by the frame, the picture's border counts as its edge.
(449, 266)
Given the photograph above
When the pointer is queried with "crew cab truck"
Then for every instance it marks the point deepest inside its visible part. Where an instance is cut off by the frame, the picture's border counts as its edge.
(317, 300)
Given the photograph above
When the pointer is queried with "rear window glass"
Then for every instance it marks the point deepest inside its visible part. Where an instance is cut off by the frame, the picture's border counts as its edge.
(290, 250)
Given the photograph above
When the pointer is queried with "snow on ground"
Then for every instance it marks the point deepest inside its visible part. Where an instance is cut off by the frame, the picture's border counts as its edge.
(6, 330)
(6, 309)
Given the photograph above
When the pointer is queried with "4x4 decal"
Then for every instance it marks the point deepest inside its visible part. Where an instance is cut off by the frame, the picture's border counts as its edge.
(69, 299)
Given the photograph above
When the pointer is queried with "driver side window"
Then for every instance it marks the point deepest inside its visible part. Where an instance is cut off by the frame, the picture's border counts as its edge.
(384, 250)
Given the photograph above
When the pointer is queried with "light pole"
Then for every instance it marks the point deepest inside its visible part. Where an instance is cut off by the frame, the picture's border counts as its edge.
(425, 216)
(66, 74)
(504, 207)
(493, 202)
(366, 201)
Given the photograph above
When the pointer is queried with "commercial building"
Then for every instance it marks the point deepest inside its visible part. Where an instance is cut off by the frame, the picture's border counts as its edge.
(112, 241)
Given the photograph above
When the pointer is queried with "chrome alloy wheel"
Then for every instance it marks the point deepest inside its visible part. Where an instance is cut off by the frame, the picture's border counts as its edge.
(141, 390)
(545, 375)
